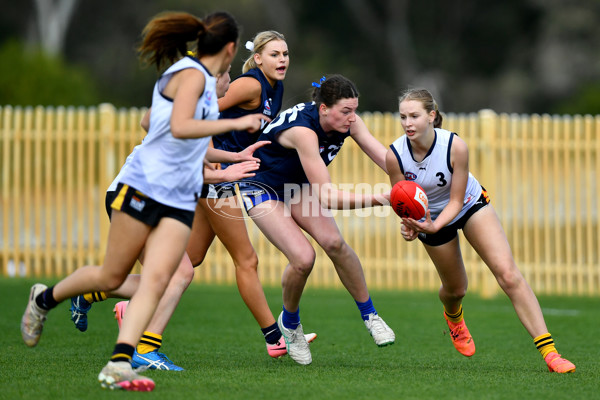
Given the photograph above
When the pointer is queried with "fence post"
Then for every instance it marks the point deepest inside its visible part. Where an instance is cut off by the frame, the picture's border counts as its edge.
(488, 134)
(106, 169)
(5, 189)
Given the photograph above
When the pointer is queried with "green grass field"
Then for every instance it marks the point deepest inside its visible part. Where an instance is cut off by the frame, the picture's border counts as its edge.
(216, 340)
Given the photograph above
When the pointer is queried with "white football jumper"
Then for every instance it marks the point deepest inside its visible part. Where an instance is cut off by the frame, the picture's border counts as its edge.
(165, 168)
(434, 173)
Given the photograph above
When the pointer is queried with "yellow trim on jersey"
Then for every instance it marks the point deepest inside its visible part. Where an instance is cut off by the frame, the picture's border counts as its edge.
(117, 203)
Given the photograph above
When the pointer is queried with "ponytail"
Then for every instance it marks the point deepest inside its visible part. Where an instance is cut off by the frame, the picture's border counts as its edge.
(437, 121)
(165, 38)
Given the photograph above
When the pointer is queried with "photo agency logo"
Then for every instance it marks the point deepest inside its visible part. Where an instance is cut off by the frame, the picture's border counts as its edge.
(311, 200)
(299, 200)
(223, 199)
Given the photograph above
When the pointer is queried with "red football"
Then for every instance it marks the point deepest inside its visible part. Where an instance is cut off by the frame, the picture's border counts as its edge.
(408, 199)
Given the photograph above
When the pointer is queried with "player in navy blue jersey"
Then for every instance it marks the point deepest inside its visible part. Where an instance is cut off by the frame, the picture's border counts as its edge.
(258, 90)
(304, 140)
(438, 160)
(154, 207)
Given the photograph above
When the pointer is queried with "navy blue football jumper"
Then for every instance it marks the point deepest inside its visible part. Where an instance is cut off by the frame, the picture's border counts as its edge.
(280, 165)
(270, 104)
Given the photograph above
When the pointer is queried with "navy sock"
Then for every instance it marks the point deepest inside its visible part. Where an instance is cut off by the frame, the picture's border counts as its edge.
(366, 308)
(271, 333)
(45, 300)
(291, 320)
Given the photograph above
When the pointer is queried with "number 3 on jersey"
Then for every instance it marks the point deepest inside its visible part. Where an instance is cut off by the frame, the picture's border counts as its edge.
(443, 181)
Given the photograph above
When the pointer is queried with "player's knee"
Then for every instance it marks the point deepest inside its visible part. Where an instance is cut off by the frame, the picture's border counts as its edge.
(303, 262)
(510, 279)
(183, 275)
(196, 259)
(109, 282)
(333, 244)
(460, 293)
(454, 293)
(247, 263)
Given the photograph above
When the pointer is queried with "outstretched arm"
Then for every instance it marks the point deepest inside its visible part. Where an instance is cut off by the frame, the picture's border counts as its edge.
(187, 87)
(306, 143)
(368, 144)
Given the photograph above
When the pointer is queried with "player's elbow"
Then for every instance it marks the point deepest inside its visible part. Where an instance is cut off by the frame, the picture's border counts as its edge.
(327, 200)
(178, 131)
(326, 203)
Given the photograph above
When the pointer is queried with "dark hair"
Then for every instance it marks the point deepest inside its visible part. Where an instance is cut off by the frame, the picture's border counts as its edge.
(334, 88)
(165, 38)
(426, 98)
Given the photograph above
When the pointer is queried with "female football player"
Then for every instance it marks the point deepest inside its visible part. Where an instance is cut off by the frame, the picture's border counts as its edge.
(154, 207)
(304, 140)
(438, 160)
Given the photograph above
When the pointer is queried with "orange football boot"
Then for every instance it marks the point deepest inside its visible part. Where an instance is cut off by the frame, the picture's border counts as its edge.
(461, 338)
(558, 364)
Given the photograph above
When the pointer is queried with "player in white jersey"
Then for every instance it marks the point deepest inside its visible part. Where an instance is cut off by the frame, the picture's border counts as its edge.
(435, 173)
(267, 64)
(154, 208)
(438, 160)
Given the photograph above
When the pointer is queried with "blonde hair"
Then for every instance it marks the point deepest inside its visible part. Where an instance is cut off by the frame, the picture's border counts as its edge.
(426, 98)
(259, 42)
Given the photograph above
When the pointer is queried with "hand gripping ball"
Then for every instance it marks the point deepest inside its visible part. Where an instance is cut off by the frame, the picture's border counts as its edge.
(408, 199)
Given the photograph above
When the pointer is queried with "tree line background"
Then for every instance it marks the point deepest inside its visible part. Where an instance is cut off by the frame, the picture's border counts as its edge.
(515, 56)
